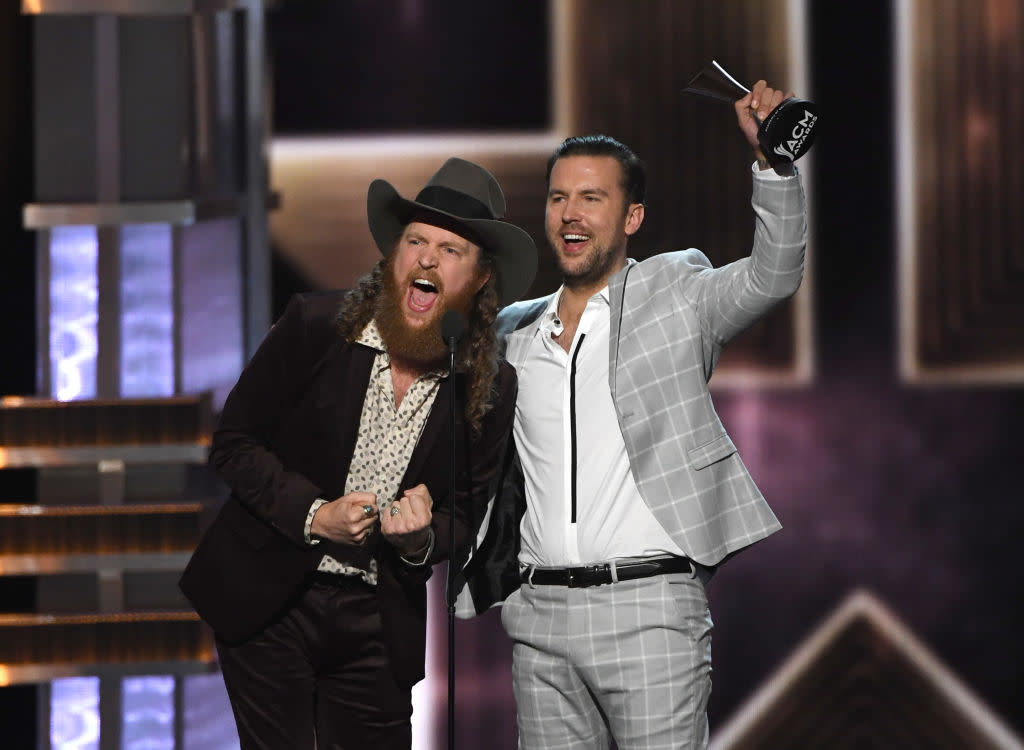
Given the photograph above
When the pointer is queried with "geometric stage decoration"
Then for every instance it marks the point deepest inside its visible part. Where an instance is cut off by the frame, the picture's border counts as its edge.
(863, 680)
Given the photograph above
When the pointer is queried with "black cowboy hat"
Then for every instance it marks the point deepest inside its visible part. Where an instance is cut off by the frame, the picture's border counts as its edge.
(464, 198)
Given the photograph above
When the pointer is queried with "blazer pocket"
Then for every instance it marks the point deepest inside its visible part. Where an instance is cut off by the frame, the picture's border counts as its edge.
(710, 452)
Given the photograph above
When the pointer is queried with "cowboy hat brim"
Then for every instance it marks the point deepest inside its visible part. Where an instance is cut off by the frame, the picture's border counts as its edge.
(511, 249)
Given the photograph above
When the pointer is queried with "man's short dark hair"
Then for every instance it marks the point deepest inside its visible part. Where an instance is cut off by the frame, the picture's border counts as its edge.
(634, 175)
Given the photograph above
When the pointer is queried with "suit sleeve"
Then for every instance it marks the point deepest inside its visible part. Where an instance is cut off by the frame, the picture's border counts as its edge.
(731, 298)
(268, 387)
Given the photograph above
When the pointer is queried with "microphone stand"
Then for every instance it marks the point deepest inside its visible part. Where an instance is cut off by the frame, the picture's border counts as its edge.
(453, 325)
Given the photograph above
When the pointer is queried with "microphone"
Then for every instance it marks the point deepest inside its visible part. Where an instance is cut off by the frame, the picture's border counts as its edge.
(453, 326)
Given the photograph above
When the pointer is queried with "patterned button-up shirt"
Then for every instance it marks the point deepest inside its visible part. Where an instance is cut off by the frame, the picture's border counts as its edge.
(386, 439)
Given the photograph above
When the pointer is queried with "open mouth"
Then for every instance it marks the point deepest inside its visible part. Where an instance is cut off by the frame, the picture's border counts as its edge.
(574, 241)
(422, 295)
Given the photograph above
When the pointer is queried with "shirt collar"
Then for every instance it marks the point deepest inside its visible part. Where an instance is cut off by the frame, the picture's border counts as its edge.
(370, 336)
(549, 322)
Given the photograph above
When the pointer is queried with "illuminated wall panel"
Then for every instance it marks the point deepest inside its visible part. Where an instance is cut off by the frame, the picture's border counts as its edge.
(147, 711)
(209, 724)
(75, 713)
(211, 307)
(147, 311)
(73, 313)
(960, 175)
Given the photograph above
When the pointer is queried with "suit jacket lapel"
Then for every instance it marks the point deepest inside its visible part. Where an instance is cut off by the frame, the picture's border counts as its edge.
(435, 432)
(517, 343)
(616, 297)
(343, 383)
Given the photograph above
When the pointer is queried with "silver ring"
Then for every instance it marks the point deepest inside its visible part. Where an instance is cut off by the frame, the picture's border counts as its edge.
(367, 510)
(395, 509)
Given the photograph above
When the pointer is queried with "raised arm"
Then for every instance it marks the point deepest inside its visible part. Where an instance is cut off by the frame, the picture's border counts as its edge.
(731, 298)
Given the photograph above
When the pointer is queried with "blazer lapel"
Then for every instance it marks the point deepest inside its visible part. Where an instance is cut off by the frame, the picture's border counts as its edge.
(435, 432)
(343, 383)
(616, 297)
(517, 343)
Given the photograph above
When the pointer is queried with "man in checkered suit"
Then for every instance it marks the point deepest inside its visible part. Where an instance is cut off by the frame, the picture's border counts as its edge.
(623, 491)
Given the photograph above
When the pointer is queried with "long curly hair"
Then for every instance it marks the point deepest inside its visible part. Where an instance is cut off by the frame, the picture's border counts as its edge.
(477, 353)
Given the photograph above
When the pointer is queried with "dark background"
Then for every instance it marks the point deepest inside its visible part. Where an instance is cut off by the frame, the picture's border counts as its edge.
(17, 314)
(426, 70)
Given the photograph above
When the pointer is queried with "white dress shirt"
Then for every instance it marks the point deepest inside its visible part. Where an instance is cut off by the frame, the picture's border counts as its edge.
(582, 504)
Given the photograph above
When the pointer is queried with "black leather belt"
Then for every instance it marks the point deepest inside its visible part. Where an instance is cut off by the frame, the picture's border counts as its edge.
(598, 575)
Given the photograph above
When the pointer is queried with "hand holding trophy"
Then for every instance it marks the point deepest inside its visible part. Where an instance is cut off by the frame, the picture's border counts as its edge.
(785, 134)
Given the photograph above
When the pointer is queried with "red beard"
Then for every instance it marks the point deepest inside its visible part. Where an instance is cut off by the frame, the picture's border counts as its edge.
(421, 345)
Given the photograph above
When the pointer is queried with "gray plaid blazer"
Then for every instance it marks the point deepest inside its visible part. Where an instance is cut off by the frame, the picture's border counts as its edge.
(671, 315)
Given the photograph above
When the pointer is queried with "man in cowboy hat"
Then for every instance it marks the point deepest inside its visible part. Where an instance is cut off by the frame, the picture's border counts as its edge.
(335, 445)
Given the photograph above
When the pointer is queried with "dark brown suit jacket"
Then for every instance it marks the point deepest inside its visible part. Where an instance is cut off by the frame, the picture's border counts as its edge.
(285, 438)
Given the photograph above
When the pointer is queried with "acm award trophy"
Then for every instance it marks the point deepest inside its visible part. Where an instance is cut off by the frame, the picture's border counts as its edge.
(786, 133)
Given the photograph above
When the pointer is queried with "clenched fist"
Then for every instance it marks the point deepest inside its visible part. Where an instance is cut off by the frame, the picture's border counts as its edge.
(348, 520)
(406, 523)
(753, 108)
